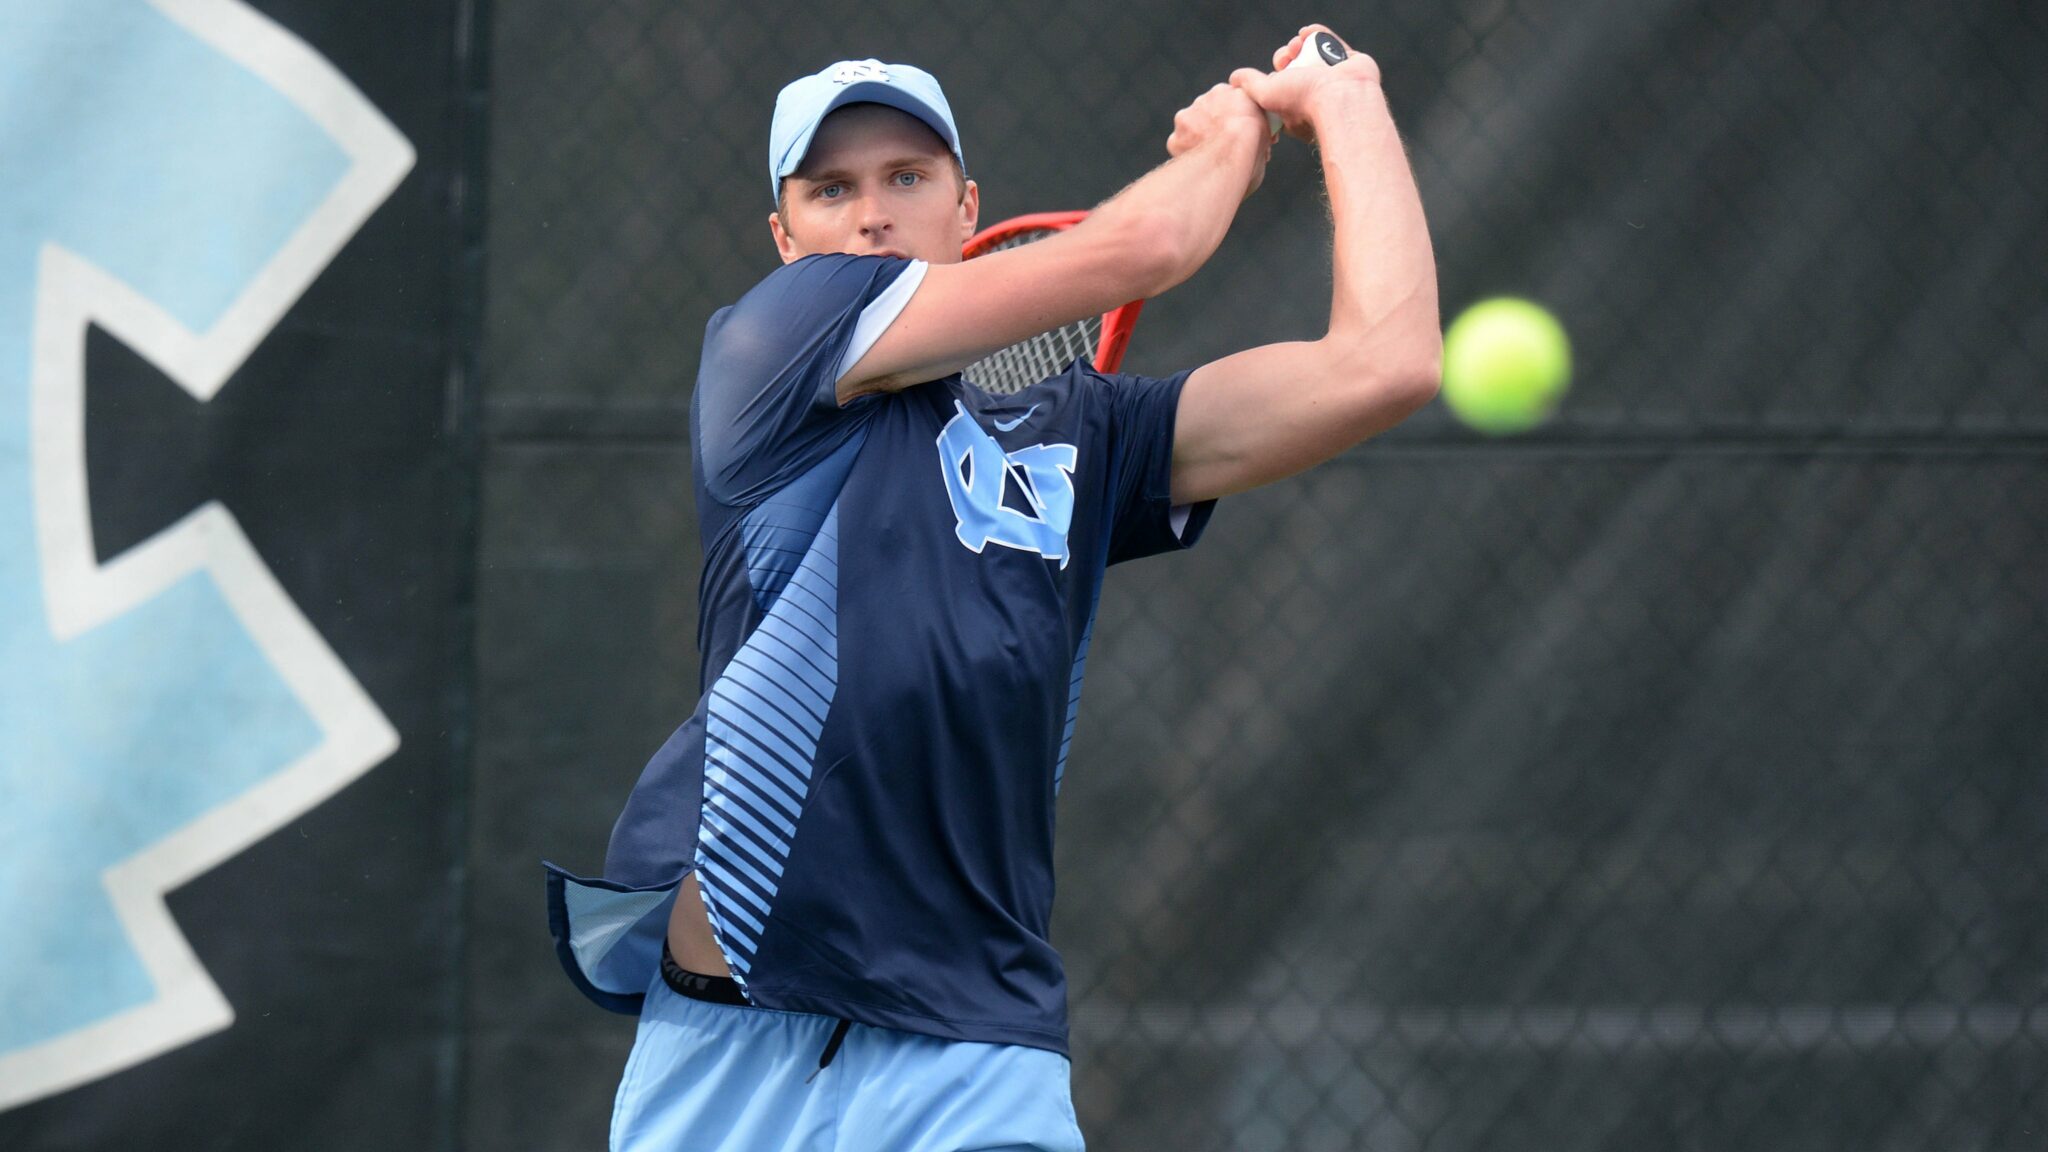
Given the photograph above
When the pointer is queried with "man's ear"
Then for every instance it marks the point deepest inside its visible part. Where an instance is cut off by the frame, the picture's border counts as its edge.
(784, 243)
(970, 211)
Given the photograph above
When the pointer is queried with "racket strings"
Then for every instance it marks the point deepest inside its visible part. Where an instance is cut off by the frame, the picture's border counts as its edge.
(1046, 354)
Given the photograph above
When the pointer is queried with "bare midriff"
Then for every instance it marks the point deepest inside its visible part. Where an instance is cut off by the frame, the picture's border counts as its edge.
(689, 933)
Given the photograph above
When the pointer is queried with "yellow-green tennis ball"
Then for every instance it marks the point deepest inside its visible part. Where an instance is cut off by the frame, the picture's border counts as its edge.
(1506, 365)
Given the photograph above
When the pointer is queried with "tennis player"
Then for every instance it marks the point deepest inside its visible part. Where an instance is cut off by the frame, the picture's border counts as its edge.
(828, 896)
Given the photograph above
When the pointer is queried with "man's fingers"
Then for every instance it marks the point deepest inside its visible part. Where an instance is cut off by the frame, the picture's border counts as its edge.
(1294, 47)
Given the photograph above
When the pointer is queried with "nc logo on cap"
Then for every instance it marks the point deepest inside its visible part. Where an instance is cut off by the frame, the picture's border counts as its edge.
(854, 71)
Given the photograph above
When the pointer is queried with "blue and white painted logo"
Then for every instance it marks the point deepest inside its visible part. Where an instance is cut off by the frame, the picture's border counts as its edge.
(1022, 499)
(177, 172)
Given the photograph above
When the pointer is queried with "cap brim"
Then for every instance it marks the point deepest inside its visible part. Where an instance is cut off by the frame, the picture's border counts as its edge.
(866, 92)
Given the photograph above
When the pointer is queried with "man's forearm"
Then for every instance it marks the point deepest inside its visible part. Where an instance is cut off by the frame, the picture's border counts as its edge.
(1384, 300)
(1185, 205)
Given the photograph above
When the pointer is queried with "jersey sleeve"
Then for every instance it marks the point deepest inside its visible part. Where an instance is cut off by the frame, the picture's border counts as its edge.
(766, 403)
(1146, 520)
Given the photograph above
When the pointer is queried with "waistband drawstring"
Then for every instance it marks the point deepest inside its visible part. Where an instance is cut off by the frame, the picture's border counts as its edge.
(831, 1049)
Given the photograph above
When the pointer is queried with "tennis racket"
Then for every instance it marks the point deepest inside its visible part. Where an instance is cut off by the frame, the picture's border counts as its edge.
(1102, 338)
(1322, 50)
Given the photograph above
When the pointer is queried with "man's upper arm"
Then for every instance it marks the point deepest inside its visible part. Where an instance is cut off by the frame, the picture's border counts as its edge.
(1269, 412)
(765, 405)
(961, 312)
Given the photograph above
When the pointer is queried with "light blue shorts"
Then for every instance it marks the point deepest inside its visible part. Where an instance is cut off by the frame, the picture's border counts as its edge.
(710, 1077)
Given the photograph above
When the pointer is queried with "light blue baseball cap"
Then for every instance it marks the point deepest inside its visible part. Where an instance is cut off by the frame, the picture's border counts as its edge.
(805, 102)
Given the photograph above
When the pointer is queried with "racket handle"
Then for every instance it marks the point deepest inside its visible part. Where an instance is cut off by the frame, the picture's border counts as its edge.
(1321, 51)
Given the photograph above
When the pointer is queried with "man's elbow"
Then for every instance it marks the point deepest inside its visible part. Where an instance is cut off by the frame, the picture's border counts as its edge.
(1418, 383)
(1393, 383)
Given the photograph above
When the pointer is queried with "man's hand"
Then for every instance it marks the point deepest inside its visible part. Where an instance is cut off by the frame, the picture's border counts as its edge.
(1222, 110)
(1267, 412)
(1292, 94)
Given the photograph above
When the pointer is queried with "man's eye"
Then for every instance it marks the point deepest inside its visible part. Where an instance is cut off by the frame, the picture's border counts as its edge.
(913, 176)
(828, 188)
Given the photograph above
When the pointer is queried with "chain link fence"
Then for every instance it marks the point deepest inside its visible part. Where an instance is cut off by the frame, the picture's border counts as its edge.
(1675, 776)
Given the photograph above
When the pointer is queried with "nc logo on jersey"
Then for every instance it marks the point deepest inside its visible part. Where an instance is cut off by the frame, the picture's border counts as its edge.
(163, 708)
(1022, 499)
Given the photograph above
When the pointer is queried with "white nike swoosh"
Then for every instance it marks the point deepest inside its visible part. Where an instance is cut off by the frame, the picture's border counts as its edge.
(1002, 426)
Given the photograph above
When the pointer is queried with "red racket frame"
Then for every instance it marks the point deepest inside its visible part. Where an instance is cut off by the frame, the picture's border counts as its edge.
(1116, 324)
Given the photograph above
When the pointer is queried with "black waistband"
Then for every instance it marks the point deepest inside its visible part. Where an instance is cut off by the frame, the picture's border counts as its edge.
(726, 990)
(697, 986)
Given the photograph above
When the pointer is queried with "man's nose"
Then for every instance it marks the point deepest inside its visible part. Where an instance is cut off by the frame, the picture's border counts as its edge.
(874, 215)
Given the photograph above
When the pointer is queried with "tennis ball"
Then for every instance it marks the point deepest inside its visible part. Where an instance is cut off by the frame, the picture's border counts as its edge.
(1506, 365)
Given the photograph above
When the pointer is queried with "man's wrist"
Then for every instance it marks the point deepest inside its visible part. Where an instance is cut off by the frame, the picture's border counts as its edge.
(1243, 133)
(1230, 146)
(1341, 96)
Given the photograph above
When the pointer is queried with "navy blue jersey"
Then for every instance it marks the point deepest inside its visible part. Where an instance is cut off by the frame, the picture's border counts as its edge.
(894, 621)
